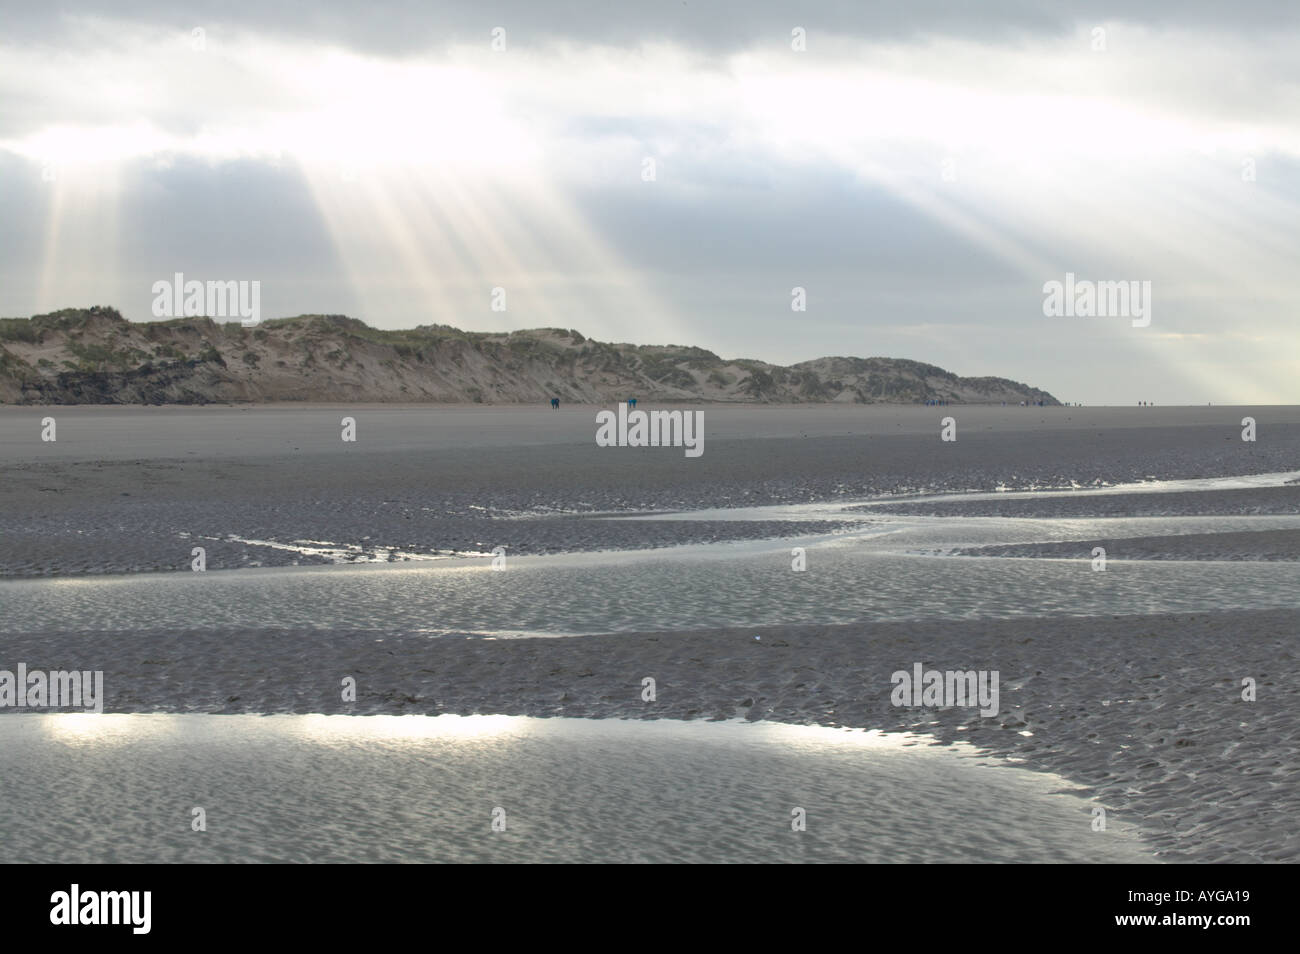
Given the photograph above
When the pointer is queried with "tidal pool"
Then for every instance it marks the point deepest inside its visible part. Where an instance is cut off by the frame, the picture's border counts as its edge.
(301, 788)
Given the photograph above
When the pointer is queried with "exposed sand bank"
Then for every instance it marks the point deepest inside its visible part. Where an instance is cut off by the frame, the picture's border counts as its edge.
(1243, 502)
(1146, 712)
(130, 489)
(1267, 545)
(98, 432)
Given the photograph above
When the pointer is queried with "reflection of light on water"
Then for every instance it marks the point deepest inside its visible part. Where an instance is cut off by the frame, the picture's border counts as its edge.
(103, 728)
(350, 553)
(817, 735)
(80, 726)
(118, 728)
(449, 728)
(401, 788)
(743, 732)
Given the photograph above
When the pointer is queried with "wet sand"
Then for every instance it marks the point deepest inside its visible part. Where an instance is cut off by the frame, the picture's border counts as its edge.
(1144, 712)
(1257, 545)
(410, 789)
(1228, 503)
(130, 489)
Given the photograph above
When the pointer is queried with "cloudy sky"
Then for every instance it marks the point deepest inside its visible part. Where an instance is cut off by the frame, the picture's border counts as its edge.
(920, 169)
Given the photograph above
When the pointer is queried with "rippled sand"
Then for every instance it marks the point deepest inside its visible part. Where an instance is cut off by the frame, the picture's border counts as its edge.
(847, 579)
(1127, 682)
(1144, 712)
(339, 789)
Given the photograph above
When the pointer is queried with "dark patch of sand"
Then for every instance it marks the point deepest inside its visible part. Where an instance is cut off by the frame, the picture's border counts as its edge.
(436, 481)
(1205, 503)
(1268, 545)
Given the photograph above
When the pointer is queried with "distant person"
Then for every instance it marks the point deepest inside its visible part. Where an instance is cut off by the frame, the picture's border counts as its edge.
(631, 402)
(555, 403)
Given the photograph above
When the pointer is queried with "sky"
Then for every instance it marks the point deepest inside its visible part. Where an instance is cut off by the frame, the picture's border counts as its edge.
(671, 173)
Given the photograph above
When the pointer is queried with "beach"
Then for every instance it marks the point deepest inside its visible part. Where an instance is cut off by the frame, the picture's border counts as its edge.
(337, 789)
(131, 489)
(1162, 688)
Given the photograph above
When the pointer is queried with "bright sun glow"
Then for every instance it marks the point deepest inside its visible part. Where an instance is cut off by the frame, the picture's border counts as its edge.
(450, 728)
(337, 108)
(442, 173)
(103, 728)
(374, 113)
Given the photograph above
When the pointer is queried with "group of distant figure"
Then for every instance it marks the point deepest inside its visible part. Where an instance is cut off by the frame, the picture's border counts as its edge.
(1146, 404)
(935, 402)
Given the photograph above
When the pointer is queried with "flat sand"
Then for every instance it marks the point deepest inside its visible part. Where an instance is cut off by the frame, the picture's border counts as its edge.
(1260, 545)
(1253, 501)
(125, 489)
(1145, 712)
(124, 432)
